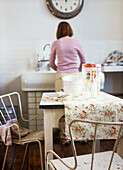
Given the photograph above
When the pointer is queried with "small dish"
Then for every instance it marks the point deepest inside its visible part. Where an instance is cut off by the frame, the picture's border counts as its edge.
(114, 56)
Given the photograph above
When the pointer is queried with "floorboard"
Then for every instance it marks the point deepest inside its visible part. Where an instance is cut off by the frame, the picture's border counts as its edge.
(32, 162)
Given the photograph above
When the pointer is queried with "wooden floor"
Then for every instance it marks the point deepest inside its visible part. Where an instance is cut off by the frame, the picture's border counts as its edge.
(32, 161)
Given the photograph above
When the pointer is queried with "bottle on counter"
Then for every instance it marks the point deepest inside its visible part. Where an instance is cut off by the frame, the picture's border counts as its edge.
(93, 87)
(92, 72)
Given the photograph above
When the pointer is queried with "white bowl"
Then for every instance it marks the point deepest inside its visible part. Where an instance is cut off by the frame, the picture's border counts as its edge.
(72, 84)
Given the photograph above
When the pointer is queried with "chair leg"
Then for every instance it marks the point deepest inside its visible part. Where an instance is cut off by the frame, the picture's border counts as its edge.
(5, 156)
(24, 156)
(40, 154)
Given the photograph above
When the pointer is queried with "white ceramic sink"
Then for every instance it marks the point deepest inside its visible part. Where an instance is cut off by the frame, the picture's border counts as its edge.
(38, 81)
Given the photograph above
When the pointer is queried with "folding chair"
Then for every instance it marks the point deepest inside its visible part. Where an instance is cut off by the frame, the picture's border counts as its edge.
(9, 126)
(95, 161)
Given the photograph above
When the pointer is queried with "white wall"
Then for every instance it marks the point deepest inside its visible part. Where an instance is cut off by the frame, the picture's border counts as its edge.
(27, 25)
(31, 20)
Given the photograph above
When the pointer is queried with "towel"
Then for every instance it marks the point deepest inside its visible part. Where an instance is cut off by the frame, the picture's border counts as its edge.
(7, 132)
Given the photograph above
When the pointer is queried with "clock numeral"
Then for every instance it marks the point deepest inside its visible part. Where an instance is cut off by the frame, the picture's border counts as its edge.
(65, 0)
(71, 8)
(65, 9)
(74, 4)
(56, 4)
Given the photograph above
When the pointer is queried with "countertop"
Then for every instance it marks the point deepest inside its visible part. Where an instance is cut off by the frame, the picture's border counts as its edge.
(112, 69)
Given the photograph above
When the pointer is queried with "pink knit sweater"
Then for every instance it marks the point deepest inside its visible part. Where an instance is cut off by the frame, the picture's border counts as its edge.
(66, 50)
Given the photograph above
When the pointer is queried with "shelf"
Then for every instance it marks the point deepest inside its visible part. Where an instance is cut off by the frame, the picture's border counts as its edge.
(112, 69)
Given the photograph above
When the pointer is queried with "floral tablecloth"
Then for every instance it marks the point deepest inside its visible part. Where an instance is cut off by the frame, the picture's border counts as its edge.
(104, 107)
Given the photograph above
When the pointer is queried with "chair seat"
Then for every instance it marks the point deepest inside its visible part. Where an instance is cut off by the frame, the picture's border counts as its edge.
(101, 162)
(35, 135)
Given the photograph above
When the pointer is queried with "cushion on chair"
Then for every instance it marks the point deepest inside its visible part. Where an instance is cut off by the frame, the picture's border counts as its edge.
(14, 129)
(101, 162)
(39, 135)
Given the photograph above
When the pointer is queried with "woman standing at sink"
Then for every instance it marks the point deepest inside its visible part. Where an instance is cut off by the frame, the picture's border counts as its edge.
(66, 49)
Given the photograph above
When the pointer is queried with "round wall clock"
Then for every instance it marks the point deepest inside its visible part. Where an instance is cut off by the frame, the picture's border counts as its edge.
(65, 9)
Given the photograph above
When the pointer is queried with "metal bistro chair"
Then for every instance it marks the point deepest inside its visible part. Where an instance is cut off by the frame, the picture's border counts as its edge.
(95, 161)
(7, 101)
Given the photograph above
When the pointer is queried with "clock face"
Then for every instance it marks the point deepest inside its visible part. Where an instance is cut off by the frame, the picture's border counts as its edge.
(66, 5)
(65, 9)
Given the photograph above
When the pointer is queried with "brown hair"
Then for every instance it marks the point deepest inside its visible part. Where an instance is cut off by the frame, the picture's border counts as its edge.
(64, 29)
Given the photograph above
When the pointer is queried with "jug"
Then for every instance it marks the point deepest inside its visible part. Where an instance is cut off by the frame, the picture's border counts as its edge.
(91, 78)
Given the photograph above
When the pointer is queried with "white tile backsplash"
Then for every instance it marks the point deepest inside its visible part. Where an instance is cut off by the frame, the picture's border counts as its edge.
(38, 94)
(39, 111)
(97, 51)
(33, 109)
(39, 99)
(32, 123)
(31, 94)
(39, 123)
(30, 100)
(31, 106)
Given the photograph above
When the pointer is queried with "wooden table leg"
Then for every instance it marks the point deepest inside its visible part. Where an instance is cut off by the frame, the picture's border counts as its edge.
(51, 118)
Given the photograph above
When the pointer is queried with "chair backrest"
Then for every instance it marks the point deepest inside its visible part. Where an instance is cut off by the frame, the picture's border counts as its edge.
(8, 110)
(95, 124)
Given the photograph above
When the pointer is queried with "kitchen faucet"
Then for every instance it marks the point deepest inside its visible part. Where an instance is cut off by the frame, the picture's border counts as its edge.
(43, 64)
(44, 50)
